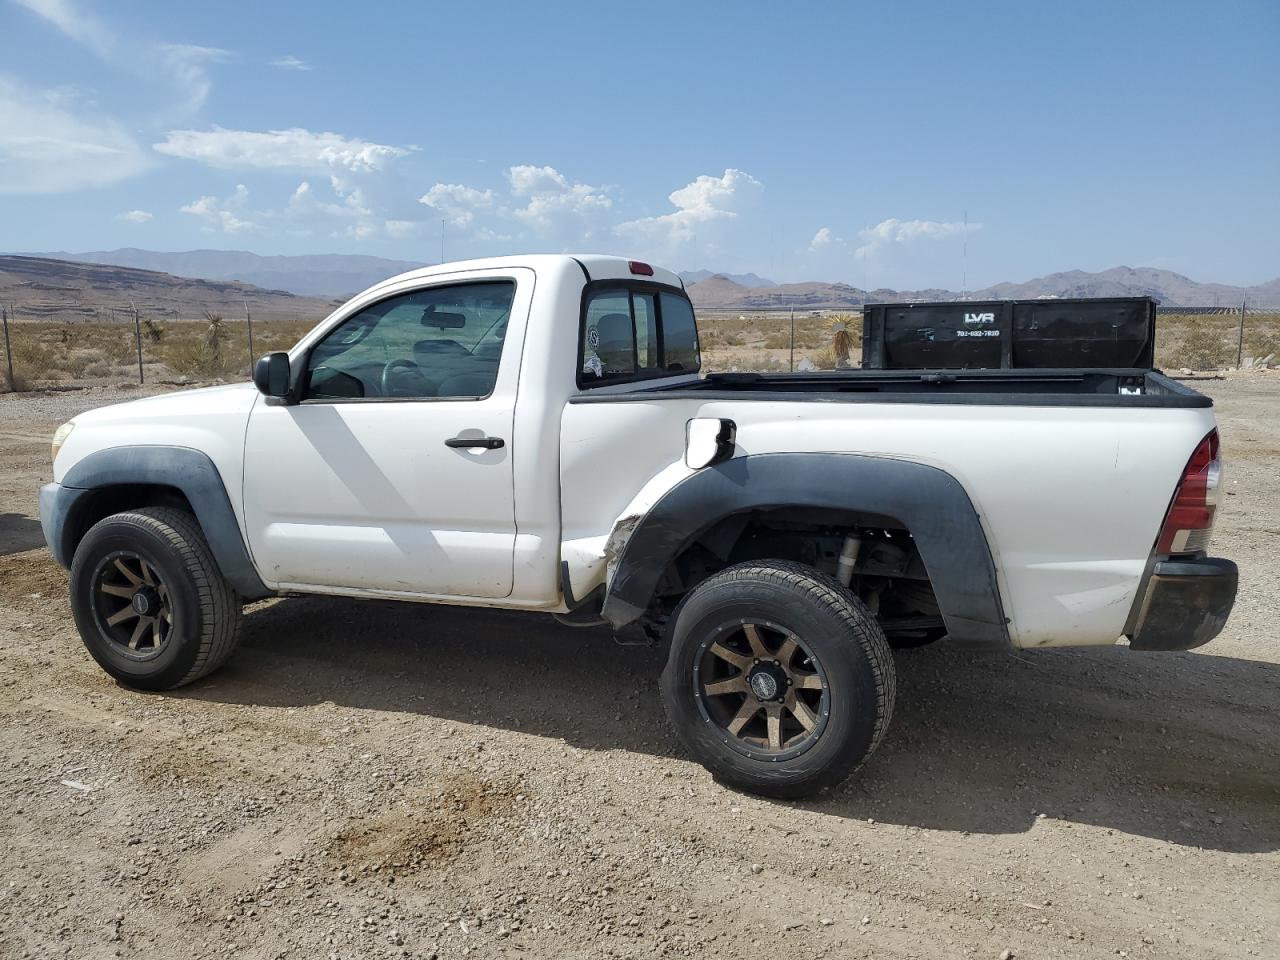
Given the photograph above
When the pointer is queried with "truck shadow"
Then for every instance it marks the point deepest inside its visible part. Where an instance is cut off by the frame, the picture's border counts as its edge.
(19, 532)
(1179, 747)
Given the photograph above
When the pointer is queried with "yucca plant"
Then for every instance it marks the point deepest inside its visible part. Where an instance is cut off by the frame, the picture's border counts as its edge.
(214, 337)
(842, 337)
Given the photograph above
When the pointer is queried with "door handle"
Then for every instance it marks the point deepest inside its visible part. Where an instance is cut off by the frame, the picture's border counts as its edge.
(484, 443)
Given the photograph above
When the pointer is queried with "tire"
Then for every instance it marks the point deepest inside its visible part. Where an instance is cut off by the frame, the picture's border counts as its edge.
(195, 615)
(833, 656)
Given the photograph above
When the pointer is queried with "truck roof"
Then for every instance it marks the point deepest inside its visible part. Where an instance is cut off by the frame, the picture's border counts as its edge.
(598, 266)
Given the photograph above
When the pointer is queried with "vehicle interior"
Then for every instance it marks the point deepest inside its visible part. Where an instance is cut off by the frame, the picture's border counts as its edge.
(438, 343)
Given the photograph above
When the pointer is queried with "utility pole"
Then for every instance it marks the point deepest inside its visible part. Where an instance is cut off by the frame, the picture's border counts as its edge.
(1240, 338)
(8, 350)
(249, 322)
(137, 334)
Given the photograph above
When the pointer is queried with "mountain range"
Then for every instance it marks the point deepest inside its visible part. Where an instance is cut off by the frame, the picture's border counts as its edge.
(721, 292)
(38, 288)
(323, 277)
(742, 279)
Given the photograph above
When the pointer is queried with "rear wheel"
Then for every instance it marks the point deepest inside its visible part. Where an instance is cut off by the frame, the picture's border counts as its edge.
(149, 601)
(779, 680)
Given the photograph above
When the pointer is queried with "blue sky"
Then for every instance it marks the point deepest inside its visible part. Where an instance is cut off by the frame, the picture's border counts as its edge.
(800, 141)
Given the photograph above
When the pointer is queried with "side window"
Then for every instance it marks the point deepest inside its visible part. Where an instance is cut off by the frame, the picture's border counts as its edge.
(679, 335)
(440, 342)
(631, 333)
(610, 339)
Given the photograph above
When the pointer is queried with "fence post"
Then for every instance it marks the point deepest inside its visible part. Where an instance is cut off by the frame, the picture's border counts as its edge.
(1240, 339)
(249, 322)
(8, 350)
(137, 333)
(793, 339)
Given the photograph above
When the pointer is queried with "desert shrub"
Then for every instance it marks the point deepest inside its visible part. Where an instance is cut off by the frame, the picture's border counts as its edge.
(825, 359)
(192, 357)
(767, 364)
(1262, 336)
(32, 359)
(1200, 344)
(78, 361)
(119, 346)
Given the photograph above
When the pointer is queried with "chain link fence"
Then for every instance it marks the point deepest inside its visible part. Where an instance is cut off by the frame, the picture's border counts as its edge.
(124, 345)
(113, 344)
(1222, 338)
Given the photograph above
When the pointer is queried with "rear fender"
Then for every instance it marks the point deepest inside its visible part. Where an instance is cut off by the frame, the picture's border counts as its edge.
(927, 501)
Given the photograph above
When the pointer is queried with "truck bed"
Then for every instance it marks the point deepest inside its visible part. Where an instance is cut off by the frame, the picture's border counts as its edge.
(1128, 388)
(1070, 476)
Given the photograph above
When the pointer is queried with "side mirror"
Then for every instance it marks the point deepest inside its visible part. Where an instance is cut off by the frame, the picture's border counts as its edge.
(271, 375)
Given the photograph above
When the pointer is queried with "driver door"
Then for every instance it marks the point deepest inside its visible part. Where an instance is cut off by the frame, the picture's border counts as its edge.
(392, 474)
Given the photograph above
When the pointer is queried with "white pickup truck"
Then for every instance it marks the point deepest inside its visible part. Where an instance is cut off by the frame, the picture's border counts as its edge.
(534, 433)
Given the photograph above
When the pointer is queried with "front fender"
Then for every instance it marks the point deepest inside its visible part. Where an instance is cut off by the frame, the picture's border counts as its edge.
(63, 505)
(925, 500)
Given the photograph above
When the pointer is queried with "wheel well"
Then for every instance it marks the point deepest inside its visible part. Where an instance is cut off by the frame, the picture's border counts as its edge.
(105, 501)
(887, 571)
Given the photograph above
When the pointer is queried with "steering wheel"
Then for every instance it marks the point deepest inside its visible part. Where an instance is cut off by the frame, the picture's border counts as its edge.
(411, 382)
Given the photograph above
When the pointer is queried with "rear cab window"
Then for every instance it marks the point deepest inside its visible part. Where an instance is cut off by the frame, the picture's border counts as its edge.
(633, 330)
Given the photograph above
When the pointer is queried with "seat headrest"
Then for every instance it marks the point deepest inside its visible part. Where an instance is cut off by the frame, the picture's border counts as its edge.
(613, 332)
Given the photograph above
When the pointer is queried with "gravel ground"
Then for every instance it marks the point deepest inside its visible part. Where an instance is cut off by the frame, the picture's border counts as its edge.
(369, 780)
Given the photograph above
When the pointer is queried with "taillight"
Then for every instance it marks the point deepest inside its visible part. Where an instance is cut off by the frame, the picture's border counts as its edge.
(640, 269)
(1189, 523)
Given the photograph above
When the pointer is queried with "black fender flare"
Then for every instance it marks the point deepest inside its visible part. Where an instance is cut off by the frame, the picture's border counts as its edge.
(927, 501)
(183, 468)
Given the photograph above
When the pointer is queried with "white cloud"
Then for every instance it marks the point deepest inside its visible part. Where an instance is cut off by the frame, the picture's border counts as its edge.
(47, 148)
(311, 210)
(292, 149)
(230, 215)
(887, 233)
(135, 216)
(541, 205)
(544, 206)
(304, 203)
(187, 63)
(823, 238)
(290, 62)
(703, 208)
(175, 67)
(76, 24)
(457, 202)
(527, 180)
(555, 208)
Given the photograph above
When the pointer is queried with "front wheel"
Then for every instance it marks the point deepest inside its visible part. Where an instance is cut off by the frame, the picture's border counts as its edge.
(778, 680)
(149, 601)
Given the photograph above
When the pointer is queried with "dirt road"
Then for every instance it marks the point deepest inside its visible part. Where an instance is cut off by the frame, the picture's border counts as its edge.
(384, 780)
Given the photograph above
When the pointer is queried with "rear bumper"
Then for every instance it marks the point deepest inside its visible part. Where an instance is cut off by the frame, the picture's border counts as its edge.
(1184, 604)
